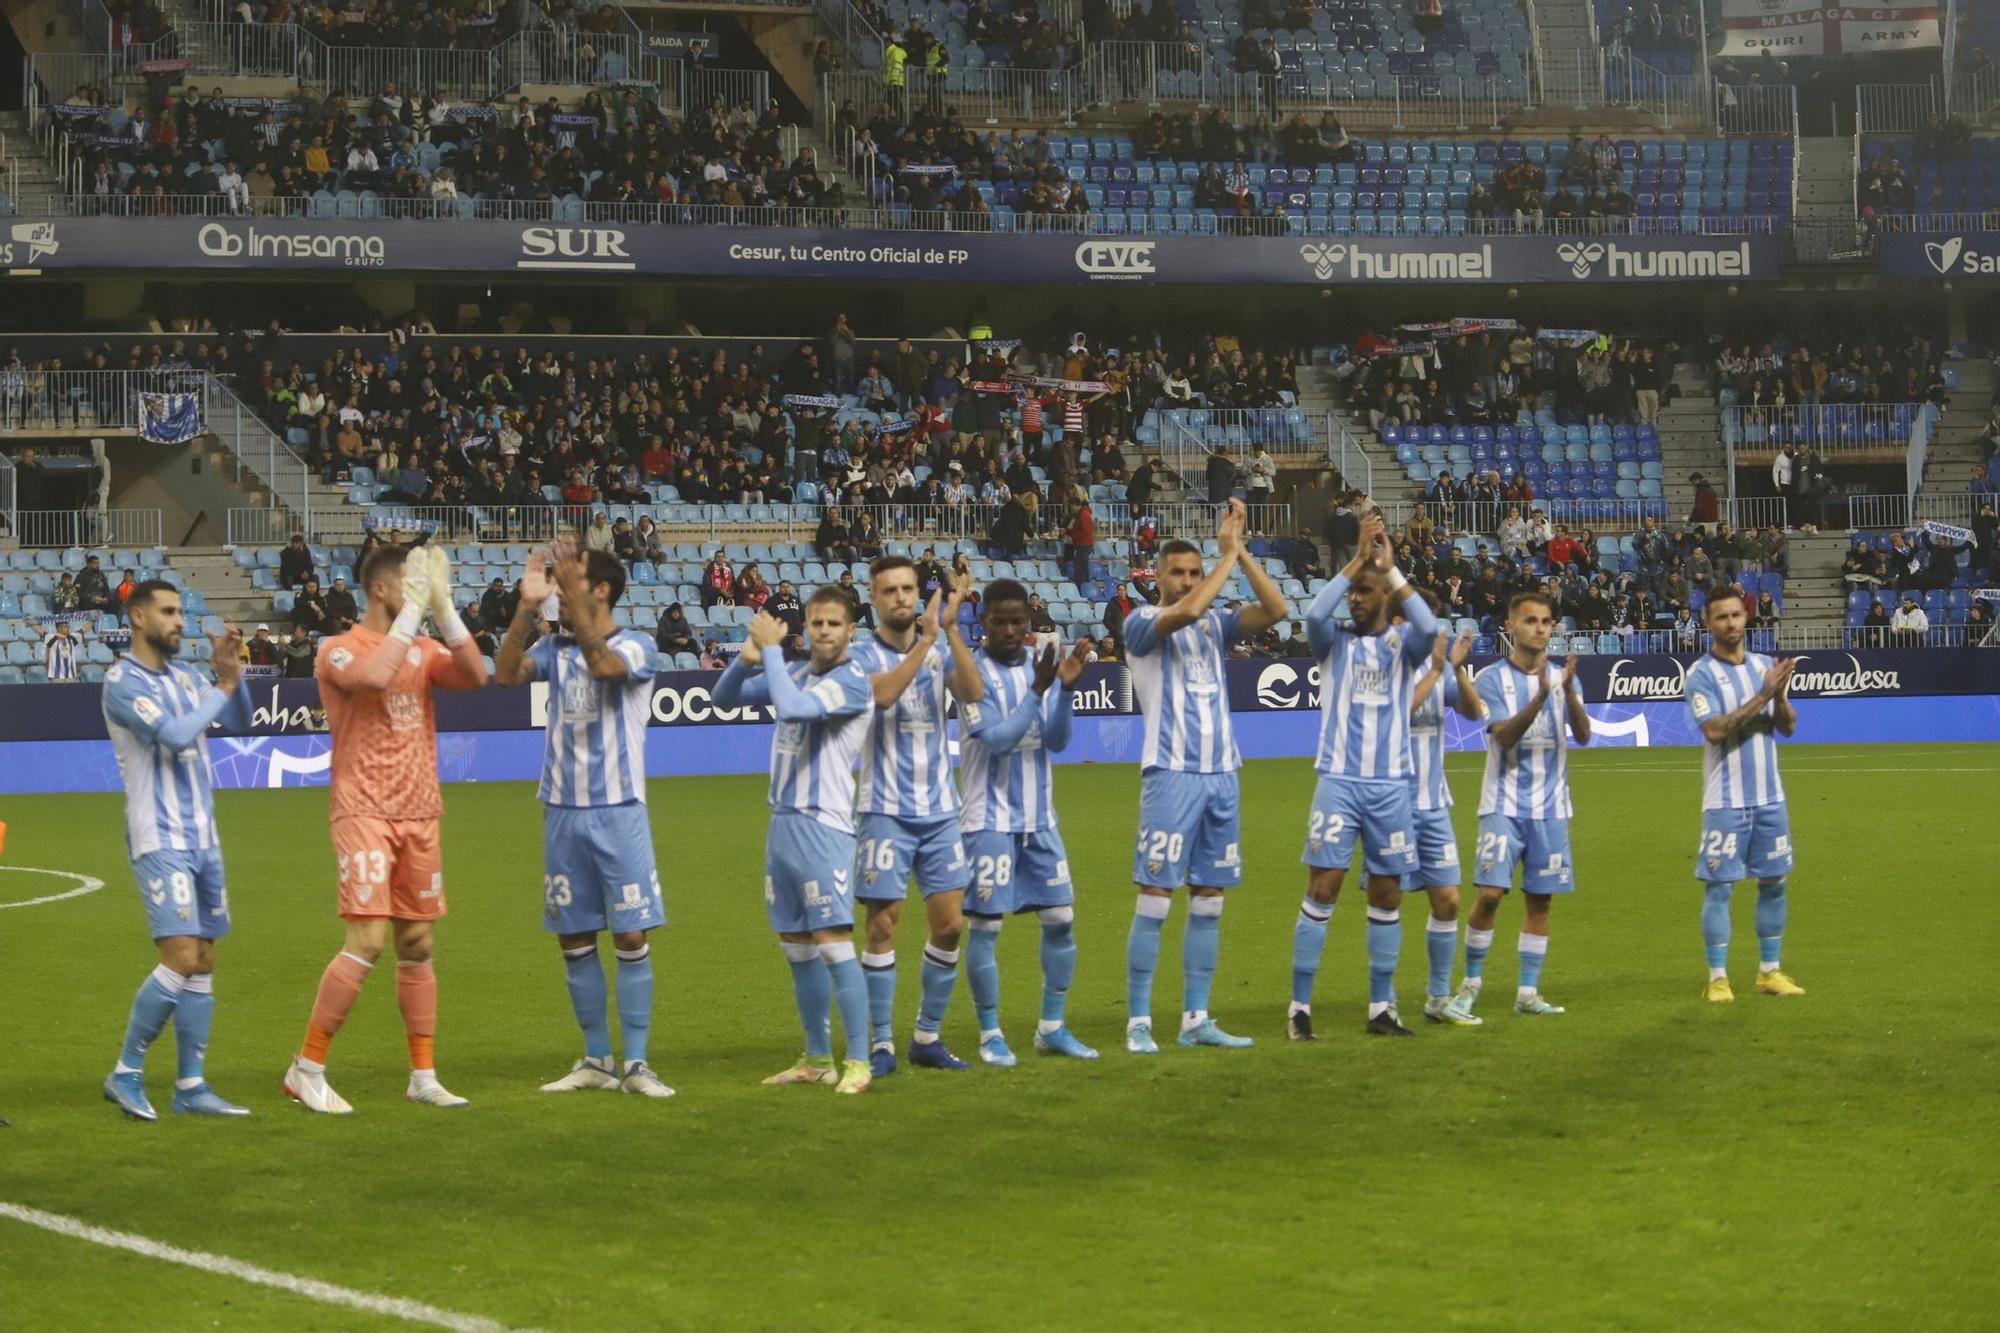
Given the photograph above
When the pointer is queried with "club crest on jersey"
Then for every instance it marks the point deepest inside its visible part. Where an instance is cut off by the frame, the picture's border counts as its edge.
(340, 658)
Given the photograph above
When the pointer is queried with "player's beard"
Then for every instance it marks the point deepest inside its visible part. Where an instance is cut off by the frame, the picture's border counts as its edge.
(166, 644)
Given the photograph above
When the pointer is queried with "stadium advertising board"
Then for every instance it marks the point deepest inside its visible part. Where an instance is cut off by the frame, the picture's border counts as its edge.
(1972, 256)
(286, 245)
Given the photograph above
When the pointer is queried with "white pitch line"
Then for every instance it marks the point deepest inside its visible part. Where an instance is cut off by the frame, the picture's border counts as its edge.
(84, 884)
(310, 1288)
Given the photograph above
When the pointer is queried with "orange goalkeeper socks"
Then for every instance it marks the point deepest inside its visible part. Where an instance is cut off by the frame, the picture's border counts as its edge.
(339, 987)
(417, 997)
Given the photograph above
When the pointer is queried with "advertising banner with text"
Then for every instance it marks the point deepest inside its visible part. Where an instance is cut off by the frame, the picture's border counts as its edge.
(1786, 28)
(277, 245)
(1972, 256)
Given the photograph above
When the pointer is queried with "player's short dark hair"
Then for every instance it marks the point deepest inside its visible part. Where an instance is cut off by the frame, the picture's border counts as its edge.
(144, 593)
(833, 592)
(380, 562)
(1727, 592)
(1526, 595)
(604, 567)
(1178, 546)
(1005, 590)
(883, 564)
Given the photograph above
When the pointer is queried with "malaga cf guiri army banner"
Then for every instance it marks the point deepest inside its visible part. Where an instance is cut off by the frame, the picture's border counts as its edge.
(249, 247)
(1788, 28)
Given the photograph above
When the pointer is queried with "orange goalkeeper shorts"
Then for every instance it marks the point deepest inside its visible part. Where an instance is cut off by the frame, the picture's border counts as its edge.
(389, 868)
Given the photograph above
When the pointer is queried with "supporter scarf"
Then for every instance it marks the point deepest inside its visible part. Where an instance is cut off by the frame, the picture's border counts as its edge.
(1569, 337)
(387, 523)
(895, 427)
(990, 345)
(1949, 532)
(927, 169)
(811, 400)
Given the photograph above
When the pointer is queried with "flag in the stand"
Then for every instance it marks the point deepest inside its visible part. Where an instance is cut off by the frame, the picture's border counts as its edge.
(169, 418)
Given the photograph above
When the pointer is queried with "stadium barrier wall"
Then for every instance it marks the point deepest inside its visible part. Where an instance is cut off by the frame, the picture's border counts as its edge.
(249, 246)
(52, 736)
(1940, 256)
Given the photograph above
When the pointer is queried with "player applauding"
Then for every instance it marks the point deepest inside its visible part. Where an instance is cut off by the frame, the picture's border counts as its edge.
(1740, 699)
(822, 705)
(597, 840)
(376, 681)
(1524, 806)
(157, 712)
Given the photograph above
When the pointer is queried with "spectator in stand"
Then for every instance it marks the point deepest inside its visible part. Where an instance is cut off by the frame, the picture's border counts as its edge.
(1563, 549)
(1707, 508)
(1985, 533)
(126, 583)
(1910, 625)
(63, 599)
(263, 650)
(598, 535)
(59, 655)
(297, 654)
(309, 608)
(751, 589)
(496, 607)
(718, 580)
(1875, 625)
(1767, 614)
(93, 592)
(1220, 477)
(341, 611)
(674, 635)
(295, 564)
(1082, 537)
(1781, 479)
(786, 606)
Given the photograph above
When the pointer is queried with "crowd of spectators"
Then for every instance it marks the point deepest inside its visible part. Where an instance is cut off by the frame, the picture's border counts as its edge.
(422, 155)
(1491, 377)
(1653, 581)
(1779, 372)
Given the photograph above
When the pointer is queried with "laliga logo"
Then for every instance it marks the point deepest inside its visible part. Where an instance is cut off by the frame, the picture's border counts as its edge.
(1115, 259)
(1324, 259)
(1942, 254)
(39, 237)
(1579, 257)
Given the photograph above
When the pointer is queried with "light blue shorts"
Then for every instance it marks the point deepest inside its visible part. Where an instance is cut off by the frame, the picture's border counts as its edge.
(1376, 812)
(597, 870)
(1539, 846)
(1437, 850)
(888, 851)
(1017, 872)
(1755, 843)
(806, 870)
(1188, 831)
(184, 893)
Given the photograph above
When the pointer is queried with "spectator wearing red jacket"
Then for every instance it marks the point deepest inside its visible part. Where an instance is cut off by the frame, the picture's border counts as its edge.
(1082, 539)
(1563, 548)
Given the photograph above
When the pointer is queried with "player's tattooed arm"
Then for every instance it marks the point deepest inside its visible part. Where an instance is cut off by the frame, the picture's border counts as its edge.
(1752, 719)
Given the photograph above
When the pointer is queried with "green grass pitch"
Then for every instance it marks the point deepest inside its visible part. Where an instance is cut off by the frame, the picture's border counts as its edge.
(1643, 1162)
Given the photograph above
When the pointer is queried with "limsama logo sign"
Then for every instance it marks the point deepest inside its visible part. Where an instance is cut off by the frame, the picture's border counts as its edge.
(1116, 260)
(1943, 254)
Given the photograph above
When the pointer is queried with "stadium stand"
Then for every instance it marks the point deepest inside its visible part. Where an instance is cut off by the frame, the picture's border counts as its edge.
(1945, 174)
(40, 587)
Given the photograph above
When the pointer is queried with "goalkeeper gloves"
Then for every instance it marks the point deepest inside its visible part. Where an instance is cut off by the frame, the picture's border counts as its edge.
(416, 595)
(450, 626)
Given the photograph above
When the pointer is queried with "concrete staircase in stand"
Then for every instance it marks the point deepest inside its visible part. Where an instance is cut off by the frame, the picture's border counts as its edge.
(1814, 594)
(1568, 59)
(214, 571)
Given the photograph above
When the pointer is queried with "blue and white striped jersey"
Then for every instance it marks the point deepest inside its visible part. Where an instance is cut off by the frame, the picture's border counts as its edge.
(1007, 739)
(1530, 779)
(822, 723)
(1427, 744)
(1741, 772)
(906, 764)
(158, 722)
(596, 749)
(59, 658)
(1181, 687)
(1364, 688)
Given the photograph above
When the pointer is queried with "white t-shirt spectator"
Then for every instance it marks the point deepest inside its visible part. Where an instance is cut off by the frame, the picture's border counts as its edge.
(362, 158)
(230, 185)
(714, 170)
(1910, 618)
(1781, 471)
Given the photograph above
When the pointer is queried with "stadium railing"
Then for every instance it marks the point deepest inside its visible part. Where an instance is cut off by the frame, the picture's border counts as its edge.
(260, 452)
(853, 218)
(1781, 638)
(1896, 108)
(87, 399)
(1831, 428)
(1901, 512)
(690, 522)
(87, 527)
(1757, 511)
(1483, 518)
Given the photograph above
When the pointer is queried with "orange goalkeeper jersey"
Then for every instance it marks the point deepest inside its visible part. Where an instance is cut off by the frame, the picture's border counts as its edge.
(384, 741)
